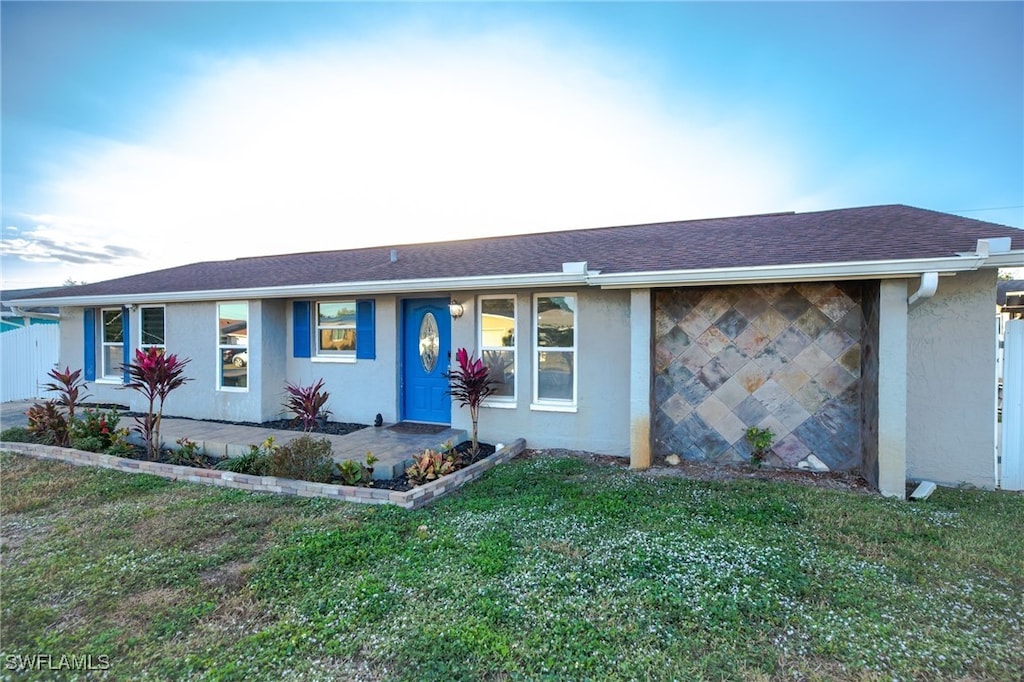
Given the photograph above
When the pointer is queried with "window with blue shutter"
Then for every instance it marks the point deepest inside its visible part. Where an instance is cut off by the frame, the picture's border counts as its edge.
(366, 333)
(301, 336)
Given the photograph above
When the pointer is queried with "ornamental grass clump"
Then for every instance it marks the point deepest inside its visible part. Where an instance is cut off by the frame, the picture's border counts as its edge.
(154, 374)
(470, 384)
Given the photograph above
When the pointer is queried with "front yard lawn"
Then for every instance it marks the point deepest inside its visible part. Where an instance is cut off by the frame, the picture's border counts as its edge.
(547, 568)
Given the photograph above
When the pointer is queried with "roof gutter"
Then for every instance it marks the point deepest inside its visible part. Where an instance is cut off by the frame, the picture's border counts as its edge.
(877, 269)
(401, 286)
(21, 312)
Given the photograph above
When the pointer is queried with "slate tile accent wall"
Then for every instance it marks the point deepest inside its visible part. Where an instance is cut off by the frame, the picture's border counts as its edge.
(786, 357)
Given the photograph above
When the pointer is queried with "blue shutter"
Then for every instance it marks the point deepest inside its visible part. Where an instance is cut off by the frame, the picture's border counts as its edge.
(126, 344)
(366, 337)
(301, 336)
(89, 365)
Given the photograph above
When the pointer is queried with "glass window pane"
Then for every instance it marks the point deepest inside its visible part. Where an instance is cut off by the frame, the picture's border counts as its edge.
(555, 375)
(338, 339)
(498, 322)
(234, 324)
(234, 375)
(113, 358)
(113, 329)
(337, 313)
(555, 321)
(152, 326)
(501, 367)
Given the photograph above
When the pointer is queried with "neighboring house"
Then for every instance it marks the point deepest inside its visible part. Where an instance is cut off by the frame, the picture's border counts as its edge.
(17, 318)
(863, 337)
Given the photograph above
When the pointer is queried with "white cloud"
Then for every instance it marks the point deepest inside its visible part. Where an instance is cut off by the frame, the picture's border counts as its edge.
(410, 139)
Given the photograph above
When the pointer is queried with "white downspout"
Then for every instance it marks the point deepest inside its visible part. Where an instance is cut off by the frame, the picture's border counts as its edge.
(929, 283)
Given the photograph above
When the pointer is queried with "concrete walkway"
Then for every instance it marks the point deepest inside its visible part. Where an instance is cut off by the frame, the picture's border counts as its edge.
(393, 449)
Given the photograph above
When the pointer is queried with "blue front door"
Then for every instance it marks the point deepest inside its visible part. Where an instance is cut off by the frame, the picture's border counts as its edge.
(426, 348)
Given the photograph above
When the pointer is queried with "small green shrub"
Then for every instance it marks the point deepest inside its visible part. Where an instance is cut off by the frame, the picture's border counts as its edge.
(761, 441)
(18, 434)
(430, 466)
(96, 430)
(354, 473)
(304, 459)
(256, 462)
(187, 454)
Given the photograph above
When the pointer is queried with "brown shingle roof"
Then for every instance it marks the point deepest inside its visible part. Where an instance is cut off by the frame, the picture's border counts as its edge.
(892, 232)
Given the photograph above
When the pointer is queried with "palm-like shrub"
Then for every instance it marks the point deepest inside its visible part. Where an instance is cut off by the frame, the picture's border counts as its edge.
(470, 383)
(154, 374)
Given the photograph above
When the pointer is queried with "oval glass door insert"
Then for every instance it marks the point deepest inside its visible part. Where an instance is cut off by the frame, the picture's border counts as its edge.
(429, 343)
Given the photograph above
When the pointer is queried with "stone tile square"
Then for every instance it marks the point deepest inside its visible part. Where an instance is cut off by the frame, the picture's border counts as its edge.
(769, 359)
(852, 323)
(664, 388)
(813, 359)
(792, 304)
(750, 304)
(731, 359)
(676, 341)
(687, 436)
(791, 376)
(722, 420)
(824, 445)
(663, 324)
(771, 292)
(835, 304)
(850, 360)
(771, 395)
(717, 302)
(811, 396)
(777, 428)
(712, 444)
(693, 358)
(812, 323)
(791, 413)
(771, 322)
(791, 449)
(751, 341)
(662, 357)
(694, 323)
(713, 374)
(750, 411)
(712, 341)
(835, 379)
(674, 304)
(732, 323)
(815, 292)
(835, 342)
(676, 409)
(679, 373)
(732, 392)
(693, 391)
(790, 343)
(751, 376)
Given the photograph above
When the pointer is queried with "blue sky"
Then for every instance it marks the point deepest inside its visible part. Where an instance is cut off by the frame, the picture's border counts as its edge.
(143, 135)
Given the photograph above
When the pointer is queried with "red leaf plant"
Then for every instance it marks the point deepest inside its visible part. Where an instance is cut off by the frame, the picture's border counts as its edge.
(470, 384)
(154, 374)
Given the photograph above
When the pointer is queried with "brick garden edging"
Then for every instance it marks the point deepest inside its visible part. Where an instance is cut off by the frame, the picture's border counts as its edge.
(410, 499)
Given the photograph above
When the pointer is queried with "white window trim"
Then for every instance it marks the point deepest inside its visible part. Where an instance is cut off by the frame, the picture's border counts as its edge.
(118, 376)
(340, 356)
(553, 404)
(142, 344)
(504, 401)
(221, 347)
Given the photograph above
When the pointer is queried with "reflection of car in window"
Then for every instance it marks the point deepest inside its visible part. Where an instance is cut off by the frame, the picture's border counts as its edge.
(238, 358)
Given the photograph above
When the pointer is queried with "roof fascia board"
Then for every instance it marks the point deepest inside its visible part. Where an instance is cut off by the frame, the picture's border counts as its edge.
(785, 273)
(405, 286)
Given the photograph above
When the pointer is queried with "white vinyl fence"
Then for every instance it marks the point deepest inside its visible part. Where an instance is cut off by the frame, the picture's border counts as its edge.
(26, 355)
(1012, 451)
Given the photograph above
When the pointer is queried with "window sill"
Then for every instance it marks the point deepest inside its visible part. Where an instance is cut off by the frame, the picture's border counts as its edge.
(500, 404)
(110, 382)
(551, 407)
(343, 361)
(233, 389)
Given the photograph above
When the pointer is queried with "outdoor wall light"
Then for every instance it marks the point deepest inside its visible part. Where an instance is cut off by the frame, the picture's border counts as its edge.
(456, 309)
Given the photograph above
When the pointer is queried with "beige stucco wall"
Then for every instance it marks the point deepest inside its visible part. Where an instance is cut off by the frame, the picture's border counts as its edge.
(951, 369)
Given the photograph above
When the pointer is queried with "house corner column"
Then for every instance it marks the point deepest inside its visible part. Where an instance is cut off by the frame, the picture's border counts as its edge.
(640, 378)
(892, 388)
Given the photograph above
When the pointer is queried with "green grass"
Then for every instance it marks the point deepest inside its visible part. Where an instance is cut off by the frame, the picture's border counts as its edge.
(547, 568)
